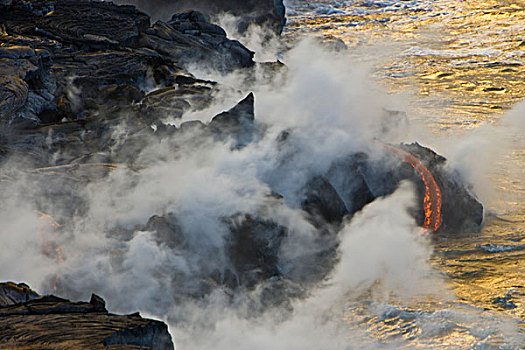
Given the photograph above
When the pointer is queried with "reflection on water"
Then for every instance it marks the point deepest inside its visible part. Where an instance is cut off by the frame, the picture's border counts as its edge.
(463, 64)
(467, 57)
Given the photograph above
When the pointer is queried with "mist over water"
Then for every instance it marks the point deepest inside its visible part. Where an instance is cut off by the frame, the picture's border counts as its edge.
(332, 109)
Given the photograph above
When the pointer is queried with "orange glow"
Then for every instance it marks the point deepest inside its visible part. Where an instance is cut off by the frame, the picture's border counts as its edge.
(432, 198)
(51, 222)
(49, 218)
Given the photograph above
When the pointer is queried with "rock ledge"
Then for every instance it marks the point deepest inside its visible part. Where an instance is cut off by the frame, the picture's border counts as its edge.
(30, 321)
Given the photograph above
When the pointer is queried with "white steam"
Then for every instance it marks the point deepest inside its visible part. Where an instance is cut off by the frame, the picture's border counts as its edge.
(264, 43)
(489, 152)
(383, 241)
(27, 252)
(380, 252)
(331, 110)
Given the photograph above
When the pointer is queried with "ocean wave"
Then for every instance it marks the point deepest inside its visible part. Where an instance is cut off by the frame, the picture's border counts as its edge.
(499, 248)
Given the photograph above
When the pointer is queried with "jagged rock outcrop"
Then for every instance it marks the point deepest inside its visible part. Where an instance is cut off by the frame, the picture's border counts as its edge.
(167, 230)
(253, 248)
(238, 122)
(355, 180)
(346, 177)
(13, 293)
(360, 180)
(189, 38)
(66, 59)
(267, 13)
(323, 202)
(461, 210)
(30, 321)
(72, 71)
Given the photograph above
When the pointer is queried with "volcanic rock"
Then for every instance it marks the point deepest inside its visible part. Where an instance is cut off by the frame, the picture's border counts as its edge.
(321, 200)
(167, 230)
(461, 210)
(13, 294)
(28, 320)
(267, 13)
(196, 42)
(81, 23)
(73, 72)
(359, 180)
(346, 177)
(238, 122)
(76, 59)
(253, 248)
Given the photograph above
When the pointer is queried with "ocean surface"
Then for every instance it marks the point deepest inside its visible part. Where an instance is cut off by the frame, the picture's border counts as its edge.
(460, 66)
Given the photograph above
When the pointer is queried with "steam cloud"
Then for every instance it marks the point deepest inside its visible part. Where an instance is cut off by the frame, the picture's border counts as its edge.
(333, 111)
(499, 144)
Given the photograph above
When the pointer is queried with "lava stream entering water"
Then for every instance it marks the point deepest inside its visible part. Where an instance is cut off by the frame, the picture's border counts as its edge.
(432, 198)
(53, 225)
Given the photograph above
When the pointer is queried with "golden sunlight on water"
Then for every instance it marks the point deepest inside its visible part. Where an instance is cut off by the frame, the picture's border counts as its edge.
(462, 64)
(465, 57)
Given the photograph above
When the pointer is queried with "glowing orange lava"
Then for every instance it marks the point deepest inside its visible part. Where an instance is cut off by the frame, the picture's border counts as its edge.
(51, 223)
(432, 199)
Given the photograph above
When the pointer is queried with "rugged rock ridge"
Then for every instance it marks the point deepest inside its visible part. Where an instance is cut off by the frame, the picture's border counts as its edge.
(30, 320)
(266, 13)
(68, 59)
(460, 209)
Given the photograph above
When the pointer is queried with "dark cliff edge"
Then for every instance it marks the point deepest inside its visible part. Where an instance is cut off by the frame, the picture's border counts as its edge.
(30, 321)
(269, 14)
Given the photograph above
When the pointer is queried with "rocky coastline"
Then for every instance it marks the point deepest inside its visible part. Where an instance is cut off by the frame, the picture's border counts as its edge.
(28, 320)
(72, 72)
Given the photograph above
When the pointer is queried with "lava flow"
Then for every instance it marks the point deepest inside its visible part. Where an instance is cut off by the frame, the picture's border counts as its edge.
(432, 199)
(51, 223)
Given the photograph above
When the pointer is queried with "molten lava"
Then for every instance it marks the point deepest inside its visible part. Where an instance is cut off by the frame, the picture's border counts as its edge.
(432, 199)
(53, 225)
